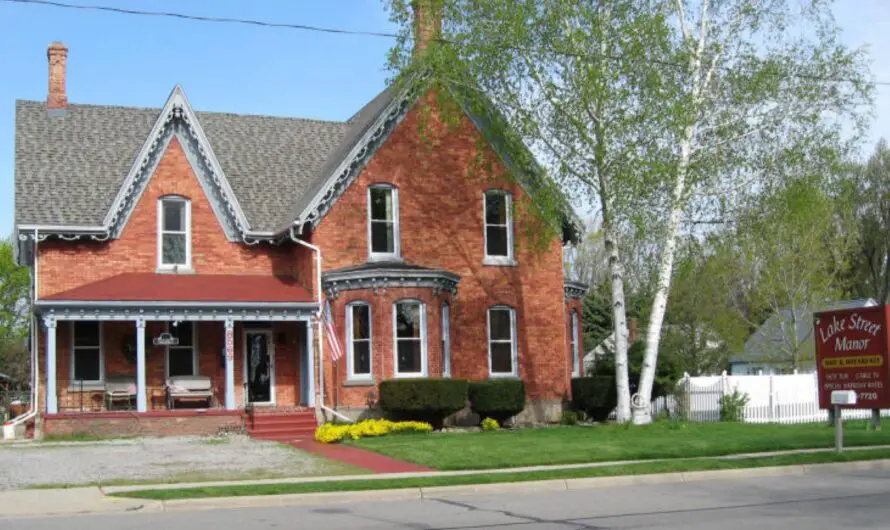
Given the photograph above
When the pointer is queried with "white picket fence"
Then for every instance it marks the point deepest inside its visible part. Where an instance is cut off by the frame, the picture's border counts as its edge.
(789, 398)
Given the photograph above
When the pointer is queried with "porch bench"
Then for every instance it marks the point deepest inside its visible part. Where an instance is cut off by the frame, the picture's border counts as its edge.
(189, 388)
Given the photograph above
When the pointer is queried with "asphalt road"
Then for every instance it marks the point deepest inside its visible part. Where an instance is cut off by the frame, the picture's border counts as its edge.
(856, 499)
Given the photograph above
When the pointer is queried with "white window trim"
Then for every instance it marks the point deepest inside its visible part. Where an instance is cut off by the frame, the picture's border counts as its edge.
(195, 349)
(187, 267)
(509, 258)
(88, 385)
(395, 340)
(514, 364)
(446, 340)
(576, 354)
(350, 363)
(396, 253)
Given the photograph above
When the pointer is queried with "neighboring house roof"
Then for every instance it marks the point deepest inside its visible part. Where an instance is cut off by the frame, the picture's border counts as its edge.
(144, 287)
(82, 171)
(765, 343)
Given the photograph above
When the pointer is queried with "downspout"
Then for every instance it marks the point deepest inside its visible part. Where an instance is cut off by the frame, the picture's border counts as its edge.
(35, 364)
(319, 403)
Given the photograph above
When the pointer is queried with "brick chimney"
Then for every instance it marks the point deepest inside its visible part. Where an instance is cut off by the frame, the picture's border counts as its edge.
(57, 54)
(427, 22)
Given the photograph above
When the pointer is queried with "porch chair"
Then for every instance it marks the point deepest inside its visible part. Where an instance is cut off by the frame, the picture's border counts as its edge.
(189, 388)
(119, 388)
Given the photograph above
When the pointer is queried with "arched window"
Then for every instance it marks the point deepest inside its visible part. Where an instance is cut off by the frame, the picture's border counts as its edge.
(383, 222)
(409, 338)
(174, 233)
(359, 343)
(502, 348)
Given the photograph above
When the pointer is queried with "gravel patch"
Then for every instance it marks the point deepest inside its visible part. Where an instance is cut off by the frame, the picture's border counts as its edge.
(171, 459)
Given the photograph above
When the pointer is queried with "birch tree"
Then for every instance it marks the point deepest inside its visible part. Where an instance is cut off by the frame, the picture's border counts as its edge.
(574, 83)
(757, 81)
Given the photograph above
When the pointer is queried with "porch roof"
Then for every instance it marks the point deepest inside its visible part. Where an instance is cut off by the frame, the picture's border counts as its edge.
(219, 289)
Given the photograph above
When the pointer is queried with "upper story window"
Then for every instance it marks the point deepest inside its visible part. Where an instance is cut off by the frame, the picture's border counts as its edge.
(86, 353)
(383, 222)
(410, 338)
(498, 227)
(576, 353)
(358, 346)
(174, 233)
(502, 352)
(182, 358)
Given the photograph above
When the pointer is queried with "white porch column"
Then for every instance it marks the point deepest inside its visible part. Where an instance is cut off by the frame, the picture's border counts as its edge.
(52, 398)
(230, 364)
(310, 353)
(141, 402)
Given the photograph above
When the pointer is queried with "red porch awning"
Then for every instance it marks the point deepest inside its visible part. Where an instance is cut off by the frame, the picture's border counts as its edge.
(151, 287)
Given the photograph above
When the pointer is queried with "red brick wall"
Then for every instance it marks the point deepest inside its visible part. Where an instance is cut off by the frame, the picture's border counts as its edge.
(441, 226)
(66, 265)
(114, 424)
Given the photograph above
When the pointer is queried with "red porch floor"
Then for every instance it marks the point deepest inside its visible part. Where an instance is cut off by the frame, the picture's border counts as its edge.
(358, 457)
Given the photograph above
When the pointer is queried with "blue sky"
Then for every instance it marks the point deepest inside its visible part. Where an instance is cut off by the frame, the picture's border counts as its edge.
(135, 60)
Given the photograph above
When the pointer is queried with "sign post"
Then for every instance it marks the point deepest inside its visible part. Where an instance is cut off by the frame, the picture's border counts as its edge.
(852, 356)
(838, 398)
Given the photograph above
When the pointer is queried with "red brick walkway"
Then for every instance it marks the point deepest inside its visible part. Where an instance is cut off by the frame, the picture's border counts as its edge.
(358, 457)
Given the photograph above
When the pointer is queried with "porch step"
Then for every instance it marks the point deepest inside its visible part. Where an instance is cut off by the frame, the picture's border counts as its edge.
(283, 426)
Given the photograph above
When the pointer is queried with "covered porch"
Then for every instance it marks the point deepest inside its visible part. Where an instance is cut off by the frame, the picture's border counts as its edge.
(234, 343)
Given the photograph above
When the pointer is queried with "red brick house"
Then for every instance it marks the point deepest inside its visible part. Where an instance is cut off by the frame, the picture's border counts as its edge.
(200, 247)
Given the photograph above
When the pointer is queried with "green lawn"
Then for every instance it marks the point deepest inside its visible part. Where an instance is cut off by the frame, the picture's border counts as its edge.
(571, 445)
(489, 478)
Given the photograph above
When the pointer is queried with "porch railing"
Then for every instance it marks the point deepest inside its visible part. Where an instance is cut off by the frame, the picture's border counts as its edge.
(83, 396)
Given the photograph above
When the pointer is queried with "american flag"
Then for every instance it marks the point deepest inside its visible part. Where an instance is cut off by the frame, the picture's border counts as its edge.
(333, 342)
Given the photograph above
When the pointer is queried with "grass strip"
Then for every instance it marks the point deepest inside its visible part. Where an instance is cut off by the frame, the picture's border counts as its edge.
(611, 443)
(646, 468)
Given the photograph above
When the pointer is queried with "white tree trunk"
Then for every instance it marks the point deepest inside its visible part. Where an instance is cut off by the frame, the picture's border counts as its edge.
(642, 410)
(619, 325)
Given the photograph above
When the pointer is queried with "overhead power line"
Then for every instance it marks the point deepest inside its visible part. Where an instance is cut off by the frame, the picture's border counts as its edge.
(201, 18)
(336, 31)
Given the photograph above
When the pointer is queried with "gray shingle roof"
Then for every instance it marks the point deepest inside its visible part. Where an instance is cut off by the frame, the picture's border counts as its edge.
(766, 343)
(69, 168)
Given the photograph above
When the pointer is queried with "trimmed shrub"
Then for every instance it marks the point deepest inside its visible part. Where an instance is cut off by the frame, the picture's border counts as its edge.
(489, 424)
(569, 417)
(333, 433)
(425, 400)
(499, 399)
(595, 395)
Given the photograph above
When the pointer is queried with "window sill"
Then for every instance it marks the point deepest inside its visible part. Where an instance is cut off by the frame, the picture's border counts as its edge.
(385, 257)
(359, 382)
(499, 261)
(503, 376)
(175, 270)
(417, 375)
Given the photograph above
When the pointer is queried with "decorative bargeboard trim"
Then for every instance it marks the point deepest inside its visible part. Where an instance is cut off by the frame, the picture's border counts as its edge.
(86, 310)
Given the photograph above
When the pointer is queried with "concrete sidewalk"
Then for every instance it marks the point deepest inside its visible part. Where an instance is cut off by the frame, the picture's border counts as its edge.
(93, 500)
(71, 501)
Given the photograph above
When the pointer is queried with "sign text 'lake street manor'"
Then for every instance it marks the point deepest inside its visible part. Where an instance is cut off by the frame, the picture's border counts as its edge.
(852, 322)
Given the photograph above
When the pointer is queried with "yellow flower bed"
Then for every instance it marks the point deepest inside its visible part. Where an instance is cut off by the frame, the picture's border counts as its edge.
(331, 433)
